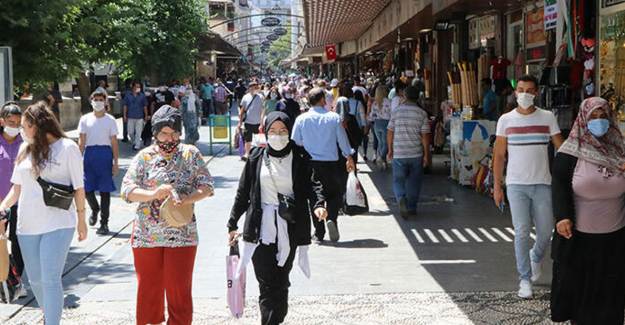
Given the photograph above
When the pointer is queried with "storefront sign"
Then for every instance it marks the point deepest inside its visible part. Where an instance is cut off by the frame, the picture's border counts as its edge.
(273, 37)
(607, 3)
(480, 31)
(280, 31)
(551, 14)
(6, 75)
(535, 28)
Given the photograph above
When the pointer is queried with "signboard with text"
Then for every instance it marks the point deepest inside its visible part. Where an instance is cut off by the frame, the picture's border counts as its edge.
(6, 75)
(607, 3)
(551, 14)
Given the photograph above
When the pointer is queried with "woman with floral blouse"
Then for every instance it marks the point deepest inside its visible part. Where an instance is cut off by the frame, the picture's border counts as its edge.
(164, 255)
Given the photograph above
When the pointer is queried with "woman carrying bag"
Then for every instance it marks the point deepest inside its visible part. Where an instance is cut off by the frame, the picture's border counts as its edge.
(166, 179)
(589, 206)
(49, 188)
(275, 189)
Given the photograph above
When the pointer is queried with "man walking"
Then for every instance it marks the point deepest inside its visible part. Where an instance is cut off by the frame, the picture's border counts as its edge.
(135, 114)
(319, 131)
(524, 135)
(408, 140)
(221, 94)
(250, 112)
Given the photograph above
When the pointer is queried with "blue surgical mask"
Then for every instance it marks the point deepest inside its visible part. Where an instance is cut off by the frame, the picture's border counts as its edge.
(598, 127)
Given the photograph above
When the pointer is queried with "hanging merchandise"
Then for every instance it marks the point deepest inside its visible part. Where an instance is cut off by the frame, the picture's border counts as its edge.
(469, 84)
(500, 67)
(519, 63)
(483, 71)
(456, 91)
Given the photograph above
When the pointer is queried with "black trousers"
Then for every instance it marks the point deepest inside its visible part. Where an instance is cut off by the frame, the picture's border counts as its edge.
(273, 282)
(332, 176)
(16, 252)
(103, 207)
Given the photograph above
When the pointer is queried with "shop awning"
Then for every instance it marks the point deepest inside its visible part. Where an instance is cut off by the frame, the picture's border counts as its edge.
(213, 43)
(407, 31)
(451, 9)
(332, 21)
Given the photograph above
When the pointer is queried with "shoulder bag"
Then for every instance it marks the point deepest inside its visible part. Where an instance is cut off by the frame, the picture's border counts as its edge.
(286, 204)
(244, 115)
(56, 195)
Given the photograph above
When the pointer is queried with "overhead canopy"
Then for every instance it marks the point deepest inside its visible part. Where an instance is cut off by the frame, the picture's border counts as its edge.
(331, 21)
(212, 42)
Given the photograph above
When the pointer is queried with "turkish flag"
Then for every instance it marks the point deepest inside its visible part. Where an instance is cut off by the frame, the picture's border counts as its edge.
(331, 52)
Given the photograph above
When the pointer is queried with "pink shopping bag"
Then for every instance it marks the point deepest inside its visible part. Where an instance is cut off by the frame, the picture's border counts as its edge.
(236, 287)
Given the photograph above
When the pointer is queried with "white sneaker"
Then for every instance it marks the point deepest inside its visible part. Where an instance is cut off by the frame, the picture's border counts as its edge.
(21, 292)
(525, 289)
(537, 270)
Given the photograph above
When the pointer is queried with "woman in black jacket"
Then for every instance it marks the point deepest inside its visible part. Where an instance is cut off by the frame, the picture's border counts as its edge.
(588, 187)
(270, 234)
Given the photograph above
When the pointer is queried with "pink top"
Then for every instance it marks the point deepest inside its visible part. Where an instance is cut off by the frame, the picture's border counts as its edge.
(599, 200)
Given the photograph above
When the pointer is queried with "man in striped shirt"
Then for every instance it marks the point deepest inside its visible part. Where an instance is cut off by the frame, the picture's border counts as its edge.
(524, 134)
(408, 139)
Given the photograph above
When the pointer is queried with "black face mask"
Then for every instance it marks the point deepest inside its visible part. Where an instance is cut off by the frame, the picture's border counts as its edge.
(168, 147)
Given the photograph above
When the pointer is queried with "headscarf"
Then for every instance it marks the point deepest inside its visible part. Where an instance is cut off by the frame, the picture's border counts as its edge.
(269, 120)
(607, 152)
(166, 116)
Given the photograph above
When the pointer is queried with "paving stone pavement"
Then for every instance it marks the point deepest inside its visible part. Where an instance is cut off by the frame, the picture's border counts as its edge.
(483, 308)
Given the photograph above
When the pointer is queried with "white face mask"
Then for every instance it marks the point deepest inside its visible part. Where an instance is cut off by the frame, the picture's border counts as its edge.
(278, 142)
(11, 132)
(525, 100)
(26, 138)
(98, 106)
(288, 96)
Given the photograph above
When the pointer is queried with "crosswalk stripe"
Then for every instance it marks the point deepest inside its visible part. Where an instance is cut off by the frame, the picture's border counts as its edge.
(487, 235)
(418, 236)
(501, 234)
(430, 234)
(445, 236)
(510, 230)
(532, 235)
(460, 235)
(474, 235)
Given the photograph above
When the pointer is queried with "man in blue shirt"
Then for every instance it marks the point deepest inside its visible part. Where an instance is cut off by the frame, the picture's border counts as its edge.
(206, 93)
(320, 131)
(135, 114)
(489, 105)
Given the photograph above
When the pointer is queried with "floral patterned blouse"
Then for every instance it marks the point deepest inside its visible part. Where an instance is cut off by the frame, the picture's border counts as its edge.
(185, 171)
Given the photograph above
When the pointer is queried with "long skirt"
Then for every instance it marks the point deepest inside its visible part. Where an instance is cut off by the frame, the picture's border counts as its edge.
(588, 287)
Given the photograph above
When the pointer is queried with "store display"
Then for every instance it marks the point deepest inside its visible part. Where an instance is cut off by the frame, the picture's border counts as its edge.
(469, 84)
(456, 90)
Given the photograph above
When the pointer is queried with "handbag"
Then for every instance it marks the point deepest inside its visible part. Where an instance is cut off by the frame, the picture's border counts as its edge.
(10, 281)
(56, 195)
(176, 216)
(355, 197)
(235, 286)
(286, 203)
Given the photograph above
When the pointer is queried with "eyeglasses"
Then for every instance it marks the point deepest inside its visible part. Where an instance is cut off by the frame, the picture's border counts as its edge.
(168, 135)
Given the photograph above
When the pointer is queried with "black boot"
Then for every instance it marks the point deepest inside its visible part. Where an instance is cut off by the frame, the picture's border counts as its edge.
(93, 219)
(103, 230)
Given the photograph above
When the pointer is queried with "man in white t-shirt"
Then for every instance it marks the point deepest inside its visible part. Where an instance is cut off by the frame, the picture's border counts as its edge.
(250, 112)
(524, 134)
(98, 142)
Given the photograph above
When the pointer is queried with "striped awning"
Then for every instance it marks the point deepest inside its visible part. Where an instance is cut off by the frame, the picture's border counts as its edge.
(332, 21)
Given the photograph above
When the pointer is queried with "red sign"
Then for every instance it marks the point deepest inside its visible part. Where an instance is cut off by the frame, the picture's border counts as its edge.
(331, 52)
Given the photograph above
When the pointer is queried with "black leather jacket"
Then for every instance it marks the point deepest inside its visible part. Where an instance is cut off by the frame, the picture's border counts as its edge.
(307, 190)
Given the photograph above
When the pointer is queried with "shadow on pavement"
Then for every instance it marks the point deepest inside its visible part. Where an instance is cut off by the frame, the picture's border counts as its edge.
(358, 243)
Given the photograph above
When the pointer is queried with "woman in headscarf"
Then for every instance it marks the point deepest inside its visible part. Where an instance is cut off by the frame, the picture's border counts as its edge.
(270, 237)
(164, 252)
(589, 207)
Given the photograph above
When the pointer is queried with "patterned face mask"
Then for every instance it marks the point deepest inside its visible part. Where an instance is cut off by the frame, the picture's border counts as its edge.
(168, 147)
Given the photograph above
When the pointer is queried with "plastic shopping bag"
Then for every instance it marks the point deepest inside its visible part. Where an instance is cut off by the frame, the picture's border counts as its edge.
(355, 197)
(236, 286)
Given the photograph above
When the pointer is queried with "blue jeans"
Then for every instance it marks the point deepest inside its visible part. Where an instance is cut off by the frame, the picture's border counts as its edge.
(407, 179)
(530, 204)
(44, 259)
(379, 127)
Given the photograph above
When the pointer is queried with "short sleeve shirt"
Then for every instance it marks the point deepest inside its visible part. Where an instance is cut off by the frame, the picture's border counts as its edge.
(528, 138)
(8, 153)
(64, 167)
(253, 107)
(408, 122)
(186, 171)
(97, 130)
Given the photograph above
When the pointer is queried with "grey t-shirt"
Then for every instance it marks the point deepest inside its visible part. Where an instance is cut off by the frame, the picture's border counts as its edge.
(408, 122)
(253, 104)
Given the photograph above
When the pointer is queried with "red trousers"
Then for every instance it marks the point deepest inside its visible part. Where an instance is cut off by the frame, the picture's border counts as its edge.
(164, 272)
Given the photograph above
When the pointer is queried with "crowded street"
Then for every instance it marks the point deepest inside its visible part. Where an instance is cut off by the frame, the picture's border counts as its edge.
(315, 162)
